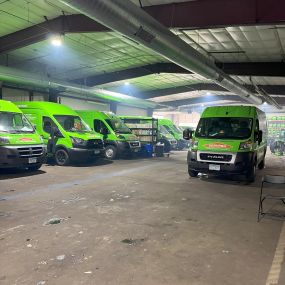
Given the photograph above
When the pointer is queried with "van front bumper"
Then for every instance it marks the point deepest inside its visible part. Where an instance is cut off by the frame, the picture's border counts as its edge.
(81, 154)
(22, 156)
(128, 146)
(241, 165)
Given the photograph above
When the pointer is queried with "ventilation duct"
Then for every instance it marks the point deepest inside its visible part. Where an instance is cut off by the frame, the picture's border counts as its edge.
(128, 19)
(22, 78)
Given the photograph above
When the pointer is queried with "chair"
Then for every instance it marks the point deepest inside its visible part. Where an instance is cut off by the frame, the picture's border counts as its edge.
(270, 179)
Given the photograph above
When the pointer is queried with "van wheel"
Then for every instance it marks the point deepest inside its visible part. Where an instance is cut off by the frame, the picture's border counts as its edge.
(192, 173)
(35, 167)
(61, 157)
(250, 176)
(110, 152)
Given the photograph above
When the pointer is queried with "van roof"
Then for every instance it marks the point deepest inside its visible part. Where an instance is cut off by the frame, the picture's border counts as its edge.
(7, 106)
(104, 114)
(52, 108)
(230, 111)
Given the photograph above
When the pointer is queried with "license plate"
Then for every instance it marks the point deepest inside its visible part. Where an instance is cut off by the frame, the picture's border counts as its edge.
(215, 167)
(97, 151)
(32, 160)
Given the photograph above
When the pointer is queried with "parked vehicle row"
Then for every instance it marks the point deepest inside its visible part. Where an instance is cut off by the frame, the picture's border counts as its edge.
(31, 132)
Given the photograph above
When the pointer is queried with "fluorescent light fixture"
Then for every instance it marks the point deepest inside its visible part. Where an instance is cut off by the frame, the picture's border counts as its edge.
(208, 94)
(127, 83)
(56, 40)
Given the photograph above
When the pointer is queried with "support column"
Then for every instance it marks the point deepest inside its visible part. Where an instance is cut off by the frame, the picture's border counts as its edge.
(31, 95)
(53, 96)
(1, 90)
(113, 107)
(149, 112)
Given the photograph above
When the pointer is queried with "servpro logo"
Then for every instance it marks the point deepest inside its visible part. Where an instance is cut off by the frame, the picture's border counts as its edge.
(218, 145)
(25, 140)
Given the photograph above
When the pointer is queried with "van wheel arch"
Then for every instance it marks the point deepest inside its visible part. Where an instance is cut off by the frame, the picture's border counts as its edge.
(61, 155)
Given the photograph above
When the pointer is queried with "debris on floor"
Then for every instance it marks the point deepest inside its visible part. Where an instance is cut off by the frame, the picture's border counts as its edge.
(60, 257)
(131, 241)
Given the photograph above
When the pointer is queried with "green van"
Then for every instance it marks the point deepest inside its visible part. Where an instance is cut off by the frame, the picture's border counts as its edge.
(175, 132)
(20, 145)
(67, 136)
(228, 140)
(118, 138)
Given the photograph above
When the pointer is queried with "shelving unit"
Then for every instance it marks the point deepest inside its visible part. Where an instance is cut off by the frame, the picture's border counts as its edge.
(146, 129)
(275, 125)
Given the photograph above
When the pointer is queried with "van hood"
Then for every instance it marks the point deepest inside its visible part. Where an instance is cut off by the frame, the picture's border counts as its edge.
(129, 137)
(218, 145)
(85, 136)
(21, 139)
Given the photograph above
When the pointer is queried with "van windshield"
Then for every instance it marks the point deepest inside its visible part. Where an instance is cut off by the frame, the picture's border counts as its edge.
(118, 126)
(164, 130)
(72, 123)
(224, 128)
(15, 123)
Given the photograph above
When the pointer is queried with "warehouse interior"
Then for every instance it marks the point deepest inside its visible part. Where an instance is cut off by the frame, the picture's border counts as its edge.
(137, 213)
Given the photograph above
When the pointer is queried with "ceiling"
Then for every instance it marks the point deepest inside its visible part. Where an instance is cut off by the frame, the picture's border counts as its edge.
(102, 53)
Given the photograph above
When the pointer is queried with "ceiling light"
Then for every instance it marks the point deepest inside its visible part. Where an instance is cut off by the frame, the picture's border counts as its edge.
(208, 94)
(127, 83)
(56, 41)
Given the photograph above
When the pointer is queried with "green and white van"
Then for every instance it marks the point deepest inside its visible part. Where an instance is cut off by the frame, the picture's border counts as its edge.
(175, 132)
(118, 138)
(20, 145)
(228, 140)
(67, 136)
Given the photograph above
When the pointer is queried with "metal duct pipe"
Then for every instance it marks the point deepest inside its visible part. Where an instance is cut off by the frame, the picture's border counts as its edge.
(14, 76)
(128, 19)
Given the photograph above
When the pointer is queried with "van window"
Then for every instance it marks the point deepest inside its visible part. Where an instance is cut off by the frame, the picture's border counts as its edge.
(100, 127)
(14, 123)
(118, 126)
(224, 128)
(72, 123)
(48, 124)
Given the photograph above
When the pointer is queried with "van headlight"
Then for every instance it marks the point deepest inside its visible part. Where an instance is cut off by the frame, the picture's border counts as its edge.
(4, 140)
(245, 145)
(78, 141)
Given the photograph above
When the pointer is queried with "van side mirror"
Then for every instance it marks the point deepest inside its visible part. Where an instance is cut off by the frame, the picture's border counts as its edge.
(35, 127)
(187, 134)
(260, 136)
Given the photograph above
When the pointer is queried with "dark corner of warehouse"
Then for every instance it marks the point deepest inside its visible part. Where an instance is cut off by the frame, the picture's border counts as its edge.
(142, 142)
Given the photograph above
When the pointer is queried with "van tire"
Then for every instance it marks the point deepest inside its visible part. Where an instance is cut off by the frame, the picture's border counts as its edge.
(192, 173)
(110, 152)
(250, 176)
(35, 167)
(61, 157)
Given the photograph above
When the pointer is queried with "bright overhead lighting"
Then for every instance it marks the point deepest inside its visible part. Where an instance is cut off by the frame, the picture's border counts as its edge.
(127, 83)
(56, 41)
(208, 93)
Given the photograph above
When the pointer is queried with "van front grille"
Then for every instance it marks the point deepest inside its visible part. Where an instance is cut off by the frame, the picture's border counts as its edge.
(95, 143)
(216, 157)
(31, 151)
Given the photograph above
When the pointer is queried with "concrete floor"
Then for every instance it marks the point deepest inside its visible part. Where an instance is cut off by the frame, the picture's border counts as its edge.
(134, 222)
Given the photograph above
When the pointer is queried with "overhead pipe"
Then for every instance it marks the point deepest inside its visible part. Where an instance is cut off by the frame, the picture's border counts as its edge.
(131, 21)
(23, 78)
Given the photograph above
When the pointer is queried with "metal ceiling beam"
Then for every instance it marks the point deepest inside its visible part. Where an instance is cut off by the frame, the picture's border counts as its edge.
(63, 24)
(202, 100)
(239, 68)
(270, 89)
(184, 15)
(219, 13)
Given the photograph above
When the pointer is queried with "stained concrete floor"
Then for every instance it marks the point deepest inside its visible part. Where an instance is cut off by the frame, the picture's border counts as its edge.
(133, 222)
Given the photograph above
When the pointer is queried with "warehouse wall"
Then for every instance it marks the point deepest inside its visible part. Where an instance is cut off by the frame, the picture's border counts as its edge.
(78, 104)
(123, 110)
(20, 95)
